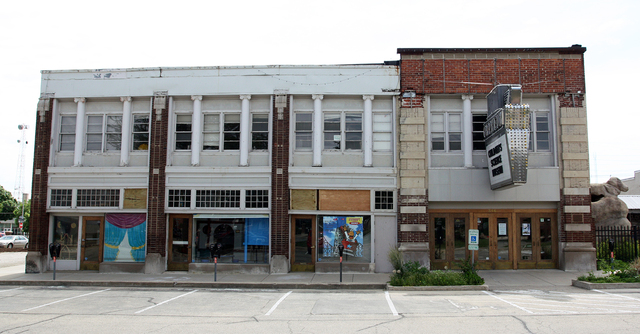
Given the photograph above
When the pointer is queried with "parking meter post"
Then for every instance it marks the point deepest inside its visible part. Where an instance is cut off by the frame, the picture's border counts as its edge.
(341, 250)
(612, 245)
(54, 252)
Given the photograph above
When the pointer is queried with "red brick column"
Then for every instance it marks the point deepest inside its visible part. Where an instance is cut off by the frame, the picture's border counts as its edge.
(39, 221)
(280, 182)
(156, 220)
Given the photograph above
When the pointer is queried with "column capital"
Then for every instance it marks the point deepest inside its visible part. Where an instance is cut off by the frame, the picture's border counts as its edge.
(467, 97)
(245, 97)
(196, 97)
(367, 97)
(80, 99)
(125, 98)
(317, 96)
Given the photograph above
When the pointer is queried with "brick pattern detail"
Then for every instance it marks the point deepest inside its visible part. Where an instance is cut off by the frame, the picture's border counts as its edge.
(157, 221)
(576, 218)
(39, 223)
(413, 218)
(479, 76)
(280, 183)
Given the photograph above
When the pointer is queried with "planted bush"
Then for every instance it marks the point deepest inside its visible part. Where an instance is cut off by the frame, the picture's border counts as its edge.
(413, 274)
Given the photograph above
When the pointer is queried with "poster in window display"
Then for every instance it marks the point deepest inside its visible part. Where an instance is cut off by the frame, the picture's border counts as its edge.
(345, 231)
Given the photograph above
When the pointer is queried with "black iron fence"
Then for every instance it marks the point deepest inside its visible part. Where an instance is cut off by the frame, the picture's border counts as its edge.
(624, 240)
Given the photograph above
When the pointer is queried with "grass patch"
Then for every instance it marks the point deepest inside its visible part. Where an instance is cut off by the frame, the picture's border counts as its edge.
(412, 274)
(616, 272)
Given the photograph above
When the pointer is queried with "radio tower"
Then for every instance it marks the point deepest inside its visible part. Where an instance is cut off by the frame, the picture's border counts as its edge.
(19, 186)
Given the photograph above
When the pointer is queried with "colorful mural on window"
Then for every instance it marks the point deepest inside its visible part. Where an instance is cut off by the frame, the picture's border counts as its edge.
(117, 248)
(347, 231)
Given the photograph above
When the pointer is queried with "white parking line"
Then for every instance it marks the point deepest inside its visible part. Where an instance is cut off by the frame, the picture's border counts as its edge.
(273, 308)
(512, 304)
(613, 294)
(59, 301)
(10, 289)
(166, 301)
(393, 308)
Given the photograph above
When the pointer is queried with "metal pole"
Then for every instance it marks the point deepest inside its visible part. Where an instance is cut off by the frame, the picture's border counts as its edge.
(215, 269)
(340, 269)
(54, 268)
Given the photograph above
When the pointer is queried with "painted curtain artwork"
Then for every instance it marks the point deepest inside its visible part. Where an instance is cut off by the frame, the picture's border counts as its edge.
(345, 231)
(125, 236)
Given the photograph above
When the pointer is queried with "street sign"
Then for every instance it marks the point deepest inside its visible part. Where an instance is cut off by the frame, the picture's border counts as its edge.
(473, 239)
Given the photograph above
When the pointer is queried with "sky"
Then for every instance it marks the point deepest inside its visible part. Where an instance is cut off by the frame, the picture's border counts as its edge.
(55, 35)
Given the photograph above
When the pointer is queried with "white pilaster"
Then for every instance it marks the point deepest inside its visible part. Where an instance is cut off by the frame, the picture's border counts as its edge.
(367, 130)
(317, 129)
(125, 143)
(245, 133)
(77, 151)
(196, 130)
(467, 131)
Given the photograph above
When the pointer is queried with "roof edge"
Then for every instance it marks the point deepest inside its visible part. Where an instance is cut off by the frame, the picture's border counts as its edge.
(574, 49)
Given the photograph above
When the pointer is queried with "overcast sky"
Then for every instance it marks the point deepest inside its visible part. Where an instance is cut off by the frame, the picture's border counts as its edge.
(52, 35)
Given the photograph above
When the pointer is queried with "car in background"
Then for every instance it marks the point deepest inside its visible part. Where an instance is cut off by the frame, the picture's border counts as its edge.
(10, 241)
(2, 234)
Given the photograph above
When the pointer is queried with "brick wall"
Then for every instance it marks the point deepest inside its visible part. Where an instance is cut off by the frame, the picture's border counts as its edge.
(156, 221)
(39, 220)
(280, 183)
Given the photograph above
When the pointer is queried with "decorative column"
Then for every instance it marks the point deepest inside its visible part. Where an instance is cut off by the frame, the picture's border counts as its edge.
(125, 143)
(467, 131)
(317, 129)
(77, 151)
(196, 130)
(367, 129)
(245, 130)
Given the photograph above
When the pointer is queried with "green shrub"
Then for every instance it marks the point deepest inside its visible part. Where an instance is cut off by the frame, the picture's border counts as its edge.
(396, 258)
(413, 274)
(616, 272)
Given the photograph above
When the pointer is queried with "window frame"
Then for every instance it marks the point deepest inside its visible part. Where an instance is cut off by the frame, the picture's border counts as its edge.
(255, 132)
(389, 132)
(480, 132)
(299, 132)
(135, 133)
(533, 135)
(103, 133)
(177, 132)
(343, 131)
(447, 132)
(70, 134)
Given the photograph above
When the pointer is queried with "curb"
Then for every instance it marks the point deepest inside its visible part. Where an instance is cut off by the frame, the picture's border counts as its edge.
(439, 288)
(591, 286)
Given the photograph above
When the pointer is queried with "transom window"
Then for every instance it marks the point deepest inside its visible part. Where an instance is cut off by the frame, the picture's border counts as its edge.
(304, 131)
(257, 198)
(179, 198)
(446, 132)
(67, 133)
(342, 131)
(217, 198)
(384, 200)
(61, 197)
(98, 198)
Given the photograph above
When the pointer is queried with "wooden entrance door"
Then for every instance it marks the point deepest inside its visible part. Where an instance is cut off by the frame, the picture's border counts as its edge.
(495, 249)
(536, 241)
(180, 229)
(303, 243)
(448, 236)
(91, 243)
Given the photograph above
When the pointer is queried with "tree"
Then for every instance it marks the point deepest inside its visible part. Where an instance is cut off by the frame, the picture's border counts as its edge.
(7, 204)
(27, 215)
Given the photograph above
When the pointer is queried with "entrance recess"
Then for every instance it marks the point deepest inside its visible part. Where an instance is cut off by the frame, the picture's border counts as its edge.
(91, 243)
(303, 247)
(179, 242)
(509, 239)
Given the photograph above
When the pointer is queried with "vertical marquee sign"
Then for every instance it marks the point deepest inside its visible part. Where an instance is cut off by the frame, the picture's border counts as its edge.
(506, 136)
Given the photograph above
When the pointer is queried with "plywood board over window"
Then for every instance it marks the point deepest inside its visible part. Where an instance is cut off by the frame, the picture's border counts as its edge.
(304, 199)
(345, 200)
(135, 199)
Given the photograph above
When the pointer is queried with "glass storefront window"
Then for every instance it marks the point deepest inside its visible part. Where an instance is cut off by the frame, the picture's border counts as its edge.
(353, 232)
(66, 234)
(243, 240)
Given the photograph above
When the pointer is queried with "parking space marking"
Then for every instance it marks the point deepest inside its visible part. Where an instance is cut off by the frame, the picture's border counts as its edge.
(391, 306)
(510, 303)
(613, 294)
(10, 289)
(273, 308)
(166, 301)
(62, 300)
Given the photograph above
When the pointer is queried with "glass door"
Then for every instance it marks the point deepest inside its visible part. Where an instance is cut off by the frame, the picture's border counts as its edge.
(179, 242)
(494, 249)
(537, 247)
(448, 238)
(91, 243)
(303, 243)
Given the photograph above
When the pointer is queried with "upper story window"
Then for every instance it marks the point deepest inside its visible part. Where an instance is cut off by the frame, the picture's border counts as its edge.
(104, 133)
(260, 132)
(211, 132)
(342, 131)
(183, 132)
(382, 132)
(304, 131)
(539, 140)
(67, 133)
(478, 133)
(231, 132)
(140, 132)
(446, 132)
